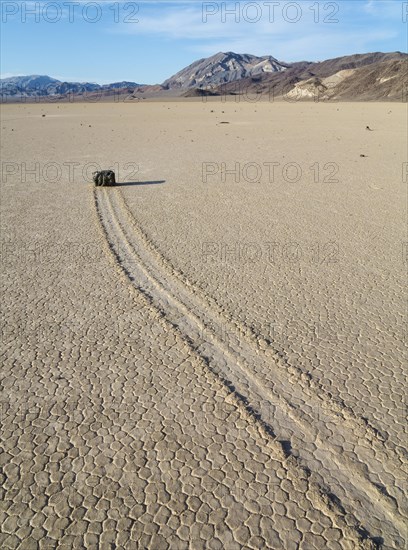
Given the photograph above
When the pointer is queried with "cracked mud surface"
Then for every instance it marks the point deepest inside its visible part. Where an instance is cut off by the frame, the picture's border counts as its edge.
(161, 391)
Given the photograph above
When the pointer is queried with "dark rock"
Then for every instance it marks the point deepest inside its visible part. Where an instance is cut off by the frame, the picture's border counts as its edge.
(104, 178)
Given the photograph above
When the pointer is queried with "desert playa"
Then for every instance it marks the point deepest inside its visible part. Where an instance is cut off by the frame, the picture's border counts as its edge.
(209, 355)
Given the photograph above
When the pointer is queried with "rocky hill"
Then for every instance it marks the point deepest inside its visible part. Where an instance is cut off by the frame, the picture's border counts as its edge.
(373, 76)
(223, 68)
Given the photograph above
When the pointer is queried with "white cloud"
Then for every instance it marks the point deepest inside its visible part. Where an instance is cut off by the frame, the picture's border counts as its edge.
(287, 41)
(9, 75)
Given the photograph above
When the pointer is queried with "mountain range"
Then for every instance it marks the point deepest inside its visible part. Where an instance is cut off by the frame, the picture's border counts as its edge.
(370, 76)
(39, 85)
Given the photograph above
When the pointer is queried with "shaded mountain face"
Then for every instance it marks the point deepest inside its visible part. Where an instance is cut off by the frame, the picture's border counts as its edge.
(387, 80)
(332, 66)
(222, 68)
(361, 76)
(42, 86)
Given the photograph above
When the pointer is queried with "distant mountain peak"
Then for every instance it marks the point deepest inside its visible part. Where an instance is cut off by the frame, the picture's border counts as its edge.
(223, 67)
(43, 85)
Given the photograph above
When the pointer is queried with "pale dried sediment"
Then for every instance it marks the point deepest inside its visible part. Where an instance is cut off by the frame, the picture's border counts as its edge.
(127, 419)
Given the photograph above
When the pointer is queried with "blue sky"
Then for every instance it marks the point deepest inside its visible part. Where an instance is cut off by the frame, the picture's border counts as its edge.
(148, 41)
